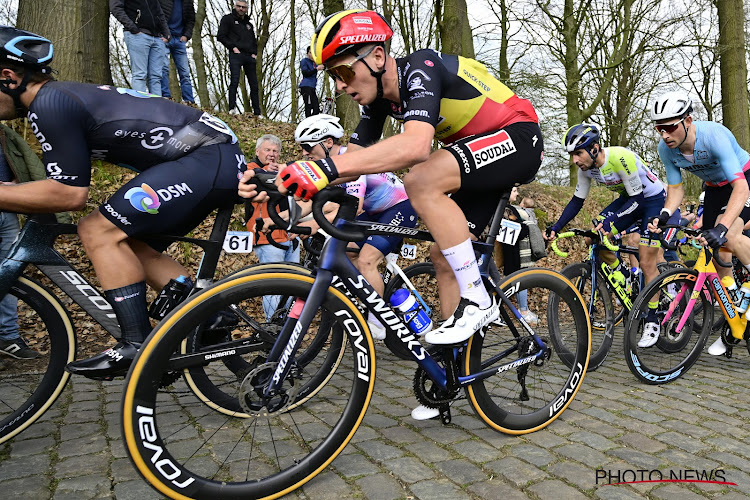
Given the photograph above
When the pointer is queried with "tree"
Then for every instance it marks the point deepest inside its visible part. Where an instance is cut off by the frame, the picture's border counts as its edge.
(79, 30)
(199, 56)
(733, 68)
(293, 59)
(454, 28)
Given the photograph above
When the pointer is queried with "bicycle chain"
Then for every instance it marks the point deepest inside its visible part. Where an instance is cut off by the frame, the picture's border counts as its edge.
(434, 396)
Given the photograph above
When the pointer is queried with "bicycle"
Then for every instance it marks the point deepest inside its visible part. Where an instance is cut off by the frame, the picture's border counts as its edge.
(184, 453)
(685, 312)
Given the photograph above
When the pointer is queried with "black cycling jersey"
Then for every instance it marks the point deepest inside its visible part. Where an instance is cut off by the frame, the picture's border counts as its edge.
(76, 122)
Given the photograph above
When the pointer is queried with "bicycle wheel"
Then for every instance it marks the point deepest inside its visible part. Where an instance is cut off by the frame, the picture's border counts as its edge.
(29, 387)
(599, 306)
(183, 449)
(529, 396)
(422, 276)
(676, 350)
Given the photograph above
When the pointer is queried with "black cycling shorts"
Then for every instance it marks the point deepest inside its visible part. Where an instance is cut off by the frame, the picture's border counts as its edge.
(172, 198)
(716, 201)
(492, 163)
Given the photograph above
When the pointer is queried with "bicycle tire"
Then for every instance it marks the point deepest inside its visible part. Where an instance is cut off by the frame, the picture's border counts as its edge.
(422, 276)
(674, 353)
(601, 312)
(551, 385)
(30, 387)
(197, 448)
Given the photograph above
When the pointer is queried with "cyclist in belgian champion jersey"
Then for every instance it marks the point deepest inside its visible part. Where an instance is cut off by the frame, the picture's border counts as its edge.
(710, 151)
(382, 198)
(492, 139)
(641, 199)
(188, 163)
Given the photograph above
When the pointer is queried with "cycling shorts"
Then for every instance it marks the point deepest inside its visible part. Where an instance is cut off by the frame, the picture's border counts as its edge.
(172, 198)
(646, 211)
(492, 163)
(400, 214)
(715, 203)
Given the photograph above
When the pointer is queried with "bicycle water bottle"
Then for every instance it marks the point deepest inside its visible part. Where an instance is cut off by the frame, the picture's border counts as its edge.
(414, 316)
(731, 286)
(744, 298)
(170, 296)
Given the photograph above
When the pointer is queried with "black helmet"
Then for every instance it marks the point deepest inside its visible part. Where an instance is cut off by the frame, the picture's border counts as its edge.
(24, 48)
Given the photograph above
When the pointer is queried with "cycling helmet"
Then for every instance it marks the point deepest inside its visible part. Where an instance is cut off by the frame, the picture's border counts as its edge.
(347, 30)
(581, 137)
(315, 128)
(671, 105)
(25, 49)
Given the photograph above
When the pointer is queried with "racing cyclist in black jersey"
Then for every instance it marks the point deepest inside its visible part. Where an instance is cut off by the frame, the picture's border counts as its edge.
(188, 164)
(492, 142)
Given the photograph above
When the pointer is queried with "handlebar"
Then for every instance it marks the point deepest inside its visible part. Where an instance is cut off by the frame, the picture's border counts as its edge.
(600, 237)
(695, 233)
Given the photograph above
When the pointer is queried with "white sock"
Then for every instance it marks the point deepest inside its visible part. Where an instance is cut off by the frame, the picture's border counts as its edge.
(373, 320)
(464, 264)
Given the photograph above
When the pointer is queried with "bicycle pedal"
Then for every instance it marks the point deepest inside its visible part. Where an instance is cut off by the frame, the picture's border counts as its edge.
(445, 415)
(728, 354)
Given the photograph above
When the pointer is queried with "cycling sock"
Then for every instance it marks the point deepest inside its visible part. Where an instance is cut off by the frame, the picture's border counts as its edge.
(464, 264)
(129, 304)
(651, 316)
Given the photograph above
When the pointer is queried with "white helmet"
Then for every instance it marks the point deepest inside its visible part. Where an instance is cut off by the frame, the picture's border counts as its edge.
(671, 105)
(315, 128)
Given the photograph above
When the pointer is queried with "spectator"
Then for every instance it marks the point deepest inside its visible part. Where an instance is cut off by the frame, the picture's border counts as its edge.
(309, 84)
(146, 32)
(267, 151)
(237, 35)
(180, 16)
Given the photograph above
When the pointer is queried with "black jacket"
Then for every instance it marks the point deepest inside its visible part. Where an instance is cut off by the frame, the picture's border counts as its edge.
(139, 16)
(188, 15)
(235, 31)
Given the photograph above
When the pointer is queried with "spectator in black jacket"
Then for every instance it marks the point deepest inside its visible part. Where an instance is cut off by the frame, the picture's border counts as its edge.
(180, 16)
(237, 35)
(146, 33)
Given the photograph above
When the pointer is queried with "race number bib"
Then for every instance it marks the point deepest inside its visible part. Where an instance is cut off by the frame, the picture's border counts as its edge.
(238, 242)
(409, 252)
(509, 231)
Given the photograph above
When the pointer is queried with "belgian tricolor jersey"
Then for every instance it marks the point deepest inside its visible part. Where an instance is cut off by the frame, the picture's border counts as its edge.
(454, 94)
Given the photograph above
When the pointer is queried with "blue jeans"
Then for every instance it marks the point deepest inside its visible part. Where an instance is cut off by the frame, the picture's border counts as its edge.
(146, 61)
(176, 47)
(9, 229)
(269, 253)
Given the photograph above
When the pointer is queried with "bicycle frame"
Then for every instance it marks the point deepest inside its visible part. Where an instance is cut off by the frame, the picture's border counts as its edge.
(707, 273)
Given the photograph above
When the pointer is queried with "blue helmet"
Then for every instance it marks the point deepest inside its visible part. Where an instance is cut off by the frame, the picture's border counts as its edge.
(581, 136)
(24, 48)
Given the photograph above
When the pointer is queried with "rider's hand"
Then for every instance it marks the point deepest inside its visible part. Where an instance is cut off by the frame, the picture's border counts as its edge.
(716, 236)
(247, 189)
(549, 234)
(657, 223)
(305, 178)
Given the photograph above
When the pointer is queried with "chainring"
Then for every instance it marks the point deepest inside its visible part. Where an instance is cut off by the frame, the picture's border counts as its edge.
(428, 393)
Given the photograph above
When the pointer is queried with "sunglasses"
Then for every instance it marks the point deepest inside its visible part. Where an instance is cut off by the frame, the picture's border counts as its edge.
(307, 148)
(344, 72)
(669, 127)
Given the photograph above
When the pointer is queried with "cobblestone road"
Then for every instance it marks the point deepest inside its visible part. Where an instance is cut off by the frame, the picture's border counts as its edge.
(699, 423)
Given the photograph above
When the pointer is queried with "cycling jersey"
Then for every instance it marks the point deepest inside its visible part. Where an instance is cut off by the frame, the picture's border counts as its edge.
(454, 94)
(380, 191)
(76, 122)
(717, 158)
(623, 172)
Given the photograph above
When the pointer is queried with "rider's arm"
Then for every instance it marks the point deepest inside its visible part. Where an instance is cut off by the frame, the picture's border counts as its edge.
(42, 197)
(571, 210)
(723, 150)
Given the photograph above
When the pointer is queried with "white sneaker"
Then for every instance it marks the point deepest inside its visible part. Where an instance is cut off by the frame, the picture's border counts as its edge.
(717, 348)
(650, 334)
(467, 320)
(421, 412)
(531, 318)
(234, 111)
(377, 330)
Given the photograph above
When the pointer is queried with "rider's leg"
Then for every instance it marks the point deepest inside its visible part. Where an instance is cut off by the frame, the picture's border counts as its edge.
(158, 267)
(367, 263)
(446, 281)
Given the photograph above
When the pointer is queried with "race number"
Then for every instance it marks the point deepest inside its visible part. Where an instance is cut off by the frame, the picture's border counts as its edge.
(509, 231)
(409, 252)
(238, 242)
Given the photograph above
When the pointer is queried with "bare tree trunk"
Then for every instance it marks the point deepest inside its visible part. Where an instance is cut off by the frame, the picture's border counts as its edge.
(455, 31)
(293, 61)
(79, 30)
(199, 56)
(262, 32)
(734, 93)
(346, 109)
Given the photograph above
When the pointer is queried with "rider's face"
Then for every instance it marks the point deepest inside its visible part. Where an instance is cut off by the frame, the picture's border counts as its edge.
(7, 106)
(673, 131)
(361, 86)
(582, 159)
(313, 153)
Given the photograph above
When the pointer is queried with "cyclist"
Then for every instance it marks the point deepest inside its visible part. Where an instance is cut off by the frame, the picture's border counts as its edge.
(710, 151)
(641, 198)
(492, 139)
(382, 198)
(188, 163)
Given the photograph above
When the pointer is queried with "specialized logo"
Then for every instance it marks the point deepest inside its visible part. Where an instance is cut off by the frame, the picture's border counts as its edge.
(370, 37)
(362, 20)
(144, 199)
(491, 148)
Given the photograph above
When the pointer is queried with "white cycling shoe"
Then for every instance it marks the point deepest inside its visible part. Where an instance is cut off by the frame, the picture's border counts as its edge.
(377, 330)
(467, 320)
(422, 412)
(650, 334)
(717, 348)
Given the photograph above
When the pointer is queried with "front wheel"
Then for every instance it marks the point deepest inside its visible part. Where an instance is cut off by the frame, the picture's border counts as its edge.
(183, 449)
(684, 328)
(522, 396)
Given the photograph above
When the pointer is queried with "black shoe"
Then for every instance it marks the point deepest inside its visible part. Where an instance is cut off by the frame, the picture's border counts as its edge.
(114, 362)
(18, 349)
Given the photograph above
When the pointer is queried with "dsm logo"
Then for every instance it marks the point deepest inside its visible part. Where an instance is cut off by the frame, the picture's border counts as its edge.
(146, 199)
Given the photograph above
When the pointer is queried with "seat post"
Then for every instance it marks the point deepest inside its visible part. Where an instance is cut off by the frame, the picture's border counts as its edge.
(497, 218)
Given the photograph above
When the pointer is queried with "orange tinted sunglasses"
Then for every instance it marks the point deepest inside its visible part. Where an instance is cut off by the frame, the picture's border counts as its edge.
(344, 72)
